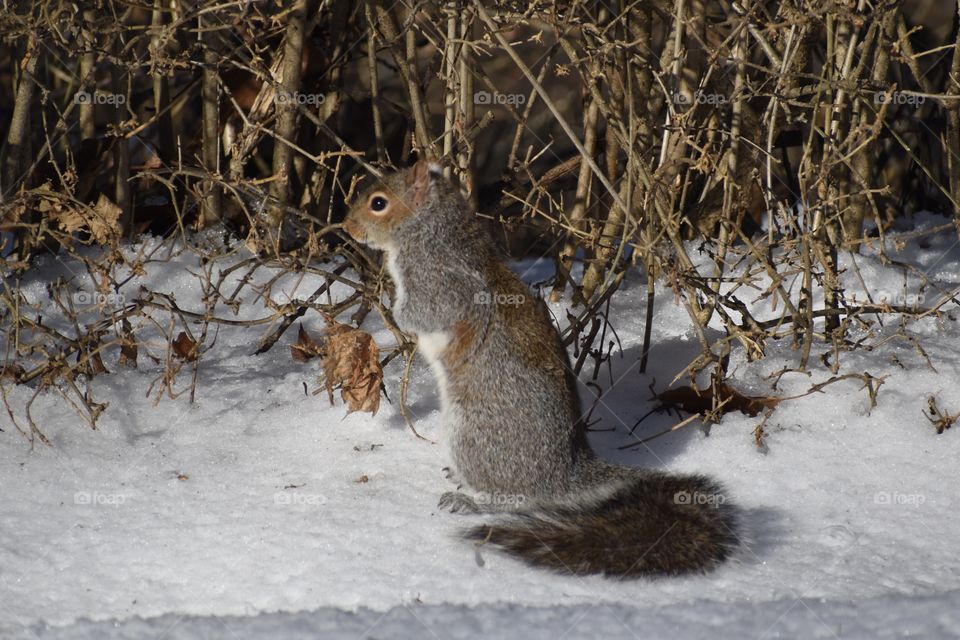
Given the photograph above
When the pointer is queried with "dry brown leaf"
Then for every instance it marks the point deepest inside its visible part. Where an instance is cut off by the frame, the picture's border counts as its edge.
(101, 221)
(96, 364)
(136, 268)
(305, 347)
(184, 348)
(351, 362)
(12, 372)
(701, 400)
(128, 346)
(105, 222)
(128, 354)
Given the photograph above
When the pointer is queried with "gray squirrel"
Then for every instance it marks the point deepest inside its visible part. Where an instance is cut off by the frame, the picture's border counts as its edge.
(511, 412)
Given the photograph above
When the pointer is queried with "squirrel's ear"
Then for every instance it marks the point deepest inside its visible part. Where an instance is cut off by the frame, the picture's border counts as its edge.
(419, 177)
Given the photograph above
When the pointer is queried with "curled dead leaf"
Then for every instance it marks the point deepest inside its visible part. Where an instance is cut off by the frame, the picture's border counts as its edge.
(305, 348)
(11, 372)
(351, 362)
(101, 221)
(184, 347)
(701, 400)
(128, 346)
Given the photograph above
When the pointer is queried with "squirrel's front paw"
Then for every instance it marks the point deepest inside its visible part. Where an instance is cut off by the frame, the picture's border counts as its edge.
(456, 502)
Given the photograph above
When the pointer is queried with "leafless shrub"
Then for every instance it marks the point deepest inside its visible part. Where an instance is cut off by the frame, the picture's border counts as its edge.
(780, 135)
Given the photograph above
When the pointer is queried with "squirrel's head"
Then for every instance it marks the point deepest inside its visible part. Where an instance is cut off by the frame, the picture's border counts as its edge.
(392, 201)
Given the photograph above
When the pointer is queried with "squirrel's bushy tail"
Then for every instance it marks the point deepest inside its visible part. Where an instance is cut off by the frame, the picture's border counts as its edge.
(652, 524)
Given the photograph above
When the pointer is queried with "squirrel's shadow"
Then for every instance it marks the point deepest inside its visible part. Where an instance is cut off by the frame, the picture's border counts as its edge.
(625, 429)
(624, 422)
(423, 396)
(761, 530)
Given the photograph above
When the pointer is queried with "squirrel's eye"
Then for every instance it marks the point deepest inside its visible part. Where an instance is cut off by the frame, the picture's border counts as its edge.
(378, 204)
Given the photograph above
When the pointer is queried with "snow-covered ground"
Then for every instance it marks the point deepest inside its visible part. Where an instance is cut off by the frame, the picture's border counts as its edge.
(262, 511)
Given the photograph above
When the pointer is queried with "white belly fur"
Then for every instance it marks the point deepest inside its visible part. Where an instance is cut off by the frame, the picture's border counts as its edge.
(394, 272)
(431, 345)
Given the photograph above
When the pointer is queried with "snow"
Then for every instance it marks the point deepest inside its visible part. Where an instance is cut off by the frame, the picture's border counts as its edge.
(869, 619)
(262, 511)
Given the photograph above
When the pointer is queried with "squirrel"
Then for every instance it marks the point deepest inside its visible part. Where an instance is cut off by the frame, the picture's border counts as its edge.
(511, 411)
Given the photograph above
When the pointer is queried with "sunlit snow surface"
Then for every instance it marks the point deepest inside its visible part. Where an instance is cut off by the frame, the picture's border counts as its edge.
(262, 511)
